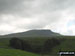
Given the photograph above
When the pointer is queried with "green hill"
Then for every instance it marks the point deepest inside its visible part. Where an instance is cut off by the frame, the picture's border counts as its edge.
(33, 33)
(67, 45)
(14, 52)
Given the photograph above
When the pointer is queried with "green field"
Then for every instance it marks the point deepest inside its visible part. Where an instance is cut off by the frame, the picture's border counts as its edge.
(15, 52)
(67, 45)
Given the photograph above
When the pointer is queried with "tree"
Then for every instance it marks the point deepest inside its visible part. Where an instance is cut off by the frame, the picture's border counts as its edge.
(20, 44)
(49, 44)
(16, 43)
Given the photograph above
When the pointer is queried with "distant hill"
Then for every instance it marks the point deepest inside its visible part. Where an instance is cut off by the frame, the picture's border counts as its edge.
(34, 33)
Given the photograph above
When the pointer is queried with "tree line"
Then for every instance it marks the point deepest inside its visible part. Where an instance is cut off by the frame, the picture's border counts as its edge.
(26, 46)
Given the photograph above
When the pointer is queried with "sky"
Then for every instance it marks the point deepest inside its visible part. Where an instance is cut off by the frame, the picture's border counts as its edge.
(22, 15)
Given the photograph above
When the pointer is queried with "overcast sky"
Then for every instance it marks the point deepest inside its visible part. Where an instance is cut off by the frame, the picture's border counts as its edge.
(23, 15)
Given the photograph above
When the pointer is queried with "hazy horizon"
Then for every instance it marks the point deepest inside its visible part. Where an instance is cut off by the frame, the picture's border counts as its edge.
(23, 15)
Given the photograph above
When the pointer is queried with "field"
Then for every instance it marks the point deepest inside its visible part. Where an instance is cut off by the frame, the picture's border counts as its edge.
(67, 45)
(14, 52)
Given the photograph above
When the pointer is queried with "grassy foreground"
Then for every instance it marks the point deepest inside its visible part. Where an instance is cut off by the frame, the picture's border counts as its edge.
(14, 52)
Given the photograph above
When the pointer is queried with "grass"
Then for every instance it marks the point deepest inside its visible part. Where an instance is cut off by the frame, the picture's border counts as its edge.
(15, 52)
(4, 42)
(67, 45)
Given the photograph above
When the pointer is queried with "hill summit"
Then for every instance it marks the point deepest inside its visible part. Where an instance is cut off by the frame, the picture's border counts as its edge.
(34, 33)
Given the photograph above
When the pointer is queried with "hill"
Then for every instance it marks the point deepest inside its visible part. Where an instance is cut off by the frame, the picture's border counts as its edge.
(34, 33)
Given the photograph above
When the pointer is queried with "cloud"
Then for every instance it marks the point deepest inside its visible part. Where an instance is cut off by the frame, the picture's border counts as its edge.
(9, 6)
(21, 15)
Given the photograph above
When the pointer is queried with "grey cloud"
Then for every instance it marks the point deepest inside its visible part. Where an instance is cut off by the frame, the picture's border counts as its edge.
(10, 6)
(46, 11)
(33, 7)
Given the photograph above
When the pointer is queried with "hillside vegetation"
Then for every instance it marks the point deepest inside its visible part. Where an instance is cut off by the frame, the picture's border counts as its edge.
(67, 44)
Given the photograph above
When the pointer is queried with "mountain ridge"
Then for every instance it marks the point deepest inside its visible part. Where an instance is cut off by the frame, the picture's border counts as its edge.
(34, 33)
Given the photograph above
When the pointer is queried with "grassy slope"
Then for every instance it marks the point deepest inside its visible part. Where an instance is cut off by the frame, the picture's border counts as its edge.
(4, 42)
(67, 45)
(14, 52)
